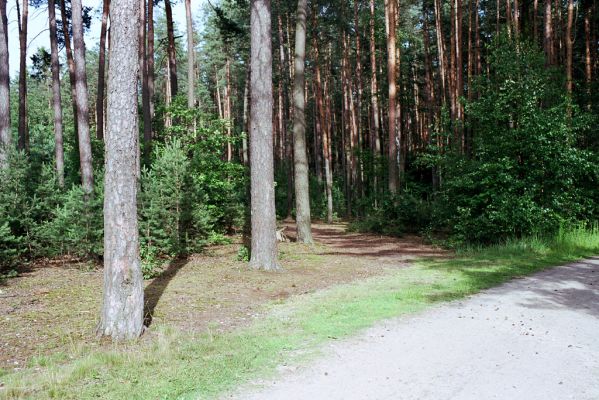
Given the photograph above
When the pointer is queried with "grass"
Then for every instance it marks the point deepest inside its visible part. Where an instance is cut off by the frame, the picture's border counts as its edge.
(177, 366)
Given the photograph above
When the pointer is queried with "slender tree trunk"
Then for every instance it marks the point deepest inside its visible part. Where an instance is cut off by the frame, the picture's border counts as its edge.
(391, 73)
(22, 19)
(535, 24)
(150, 55)
(71, 64)
(145, 88)
(264, 224)
(171, 50)
(517, 18)
(302, 183)
(569, 47)
(56, 96)
(246, 119)
(549, 47)
(85, 149)
(441, 49)
(588, 59)
(374, 101)
(122, 310)
(5, 133)
(190, 57)
(101, 72)
(227, 107)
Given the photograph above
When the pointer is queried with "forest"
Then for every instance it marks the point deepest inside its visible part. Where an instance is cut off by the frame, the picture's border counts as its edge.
(467, 124)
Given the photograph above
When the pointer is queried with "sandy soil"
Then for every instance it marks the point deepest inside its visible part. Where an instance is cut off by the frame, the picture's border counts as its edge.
(533, 338)
(52, 308)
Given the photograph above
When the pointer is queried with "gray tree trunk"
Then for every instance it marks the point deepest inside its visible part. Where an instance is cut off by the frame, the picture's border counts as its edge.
(22, 20)
(145, 88)
(190, 57)
(172, 56)
(5, 133)
(85, 148)
(101, 72)
(302, 184)
(56, 96)
(122, 310)
(264, 223)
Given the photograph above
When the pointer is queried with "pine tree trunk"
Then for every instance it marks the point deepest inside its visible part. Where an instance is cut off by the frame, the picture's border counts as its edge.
(374, 101)
(569, 47)
(264, 224)
(56, 96)
(549, 47)
(588, 59)
(22, 20)
(85, 149)
(171, 50)
(122, 310)
(150, 54)
(101, 72)
(5, 133)
(302, 183)
(391, 76)
(190, 57)
(145, 89)
(71, 64)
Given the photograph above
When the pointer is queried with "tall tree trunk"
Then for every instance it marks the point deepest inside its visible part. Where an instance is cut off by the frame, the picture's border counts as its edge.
(517, 19)
(101, 72)
(56, 96)
(549, 47)
(374, 101)
(391, 73)
(71, 64)
(145, 88)
(459, 73)
(171, 50)
(441, 50)
(122, 309)
(569, 47)
(85, 148)
(535, 24)
(246, 119)
(264, 223)
(588, 59)
(5, 133)
(22, 20)
(302, 183)
(150, 54)
(190, 58)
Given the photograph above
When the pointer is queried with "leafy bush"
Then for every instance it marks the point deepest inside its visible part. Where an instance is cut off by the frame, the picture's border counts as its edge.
(527, 175)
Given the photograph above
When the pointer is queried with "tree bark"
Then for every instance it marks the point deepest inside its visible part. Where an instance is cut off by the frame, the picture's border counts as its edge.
(56, 96)
(264, 223)
(122, 310)
(5, 133)
(150, 54)
(22, 20)
(569, 47)
(391, 72)
(549, 47)
(85, 148)
(70, 63)
(588, 59)
(145, 89)
(190, 57)
(171, 50)
(302, 183)
(102, 72)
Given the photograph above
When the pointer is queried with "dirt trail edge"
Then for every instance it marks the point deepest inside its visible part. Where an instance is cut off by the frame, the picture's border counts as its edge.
(532, 338)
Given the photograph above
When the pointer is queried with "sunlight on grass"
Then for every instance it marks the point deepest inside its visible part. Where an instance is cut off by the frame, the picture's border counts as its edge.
(175, 365)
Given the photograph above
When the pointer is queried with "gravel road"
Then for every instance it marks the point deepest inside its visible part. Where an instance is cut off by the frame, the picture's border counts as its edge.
(532, 338)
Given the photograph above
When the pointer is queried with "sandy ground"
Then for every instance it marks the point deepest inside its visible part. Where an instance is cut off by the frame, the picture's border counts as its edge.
(533, 338)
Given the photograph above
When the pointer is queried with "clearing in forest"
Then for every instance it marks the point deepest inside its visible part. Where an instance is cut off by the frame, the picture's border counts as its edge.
(50, 311)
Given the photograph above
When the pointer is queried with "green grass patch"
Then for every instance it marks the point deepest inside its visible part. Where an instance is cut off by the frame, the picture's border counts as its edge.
(178, 366)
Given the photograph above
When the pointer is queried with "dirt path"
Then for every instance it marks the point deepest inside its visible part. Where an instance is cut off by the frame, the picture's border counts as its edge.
(52, 308)
(533, 338)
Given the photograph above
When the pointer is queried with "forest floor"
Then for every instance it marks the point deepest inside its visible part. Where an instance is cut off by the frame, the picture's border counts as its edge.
(217, 325)
(52, 307)
(532, 338)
